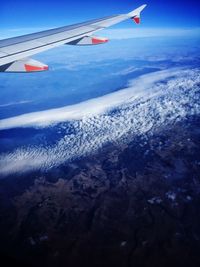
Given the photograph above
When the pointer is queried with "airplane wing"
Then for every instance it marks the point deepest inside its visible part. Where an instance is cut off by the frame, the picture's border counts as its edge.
(15, 52)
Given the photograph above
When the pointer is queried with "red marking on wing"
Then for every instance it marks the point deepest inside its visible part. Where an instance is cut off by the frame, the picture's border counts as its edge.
(99, 41)
(137, 20)
(30, 68)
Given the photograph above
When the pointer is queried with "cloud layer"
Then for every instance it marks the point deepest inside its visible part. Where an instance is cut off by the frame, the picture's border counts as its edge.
(150, 101)
(137, 88)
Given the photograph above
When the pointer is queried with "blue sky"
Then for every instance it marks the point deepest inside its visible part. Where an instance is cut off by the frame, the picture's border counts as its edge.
(46, 13)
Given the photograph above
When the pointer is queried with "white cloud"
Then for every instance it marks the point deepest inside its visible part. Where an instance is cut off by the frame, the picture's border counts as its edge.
(121, 33)
(151, 101)
(138, 32)
(137, 88)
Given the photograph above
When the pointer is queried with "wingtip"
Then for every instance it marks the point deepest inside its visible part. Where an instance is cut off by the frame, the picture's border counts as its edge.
(137, 11)
(141, 7)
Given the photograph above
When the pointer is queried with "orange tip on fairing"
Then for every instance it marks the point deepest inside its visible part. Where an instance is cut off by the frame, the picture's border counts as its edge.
(96, 40)
(31, 68)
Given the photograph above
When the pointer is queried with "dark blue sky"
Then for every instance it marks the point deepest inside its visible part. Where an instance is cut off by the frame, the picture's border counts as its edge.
(44, 13)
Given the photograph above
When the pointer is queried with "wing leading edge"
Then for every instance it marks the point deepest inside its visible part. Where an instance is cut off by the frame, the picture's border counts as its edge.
(15, 52)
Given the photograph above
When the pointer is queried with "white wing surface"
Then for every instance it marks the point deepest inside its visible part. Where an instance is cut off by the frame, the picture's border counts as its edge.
(15, 52)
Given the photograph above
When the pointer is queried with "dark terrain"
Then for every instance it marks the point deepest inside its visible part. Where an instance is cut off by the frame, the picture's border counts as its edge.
(129, 205)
